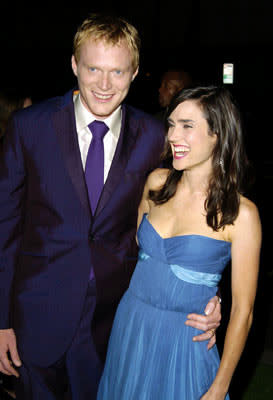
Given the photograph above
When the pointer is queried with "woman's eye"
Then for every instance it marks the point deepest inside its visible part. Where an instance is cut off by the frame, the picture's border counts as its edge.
(118, 72)
(92, 69)
(170, 124)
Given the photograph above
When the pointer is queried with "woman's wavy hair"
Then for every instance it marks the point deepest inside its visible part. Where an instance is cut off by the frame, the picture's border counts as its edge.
(229, 161)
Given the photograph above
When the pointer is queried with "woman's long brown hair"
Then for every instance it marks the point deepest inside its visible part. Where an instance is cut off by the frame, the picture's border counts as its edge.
(229, 160)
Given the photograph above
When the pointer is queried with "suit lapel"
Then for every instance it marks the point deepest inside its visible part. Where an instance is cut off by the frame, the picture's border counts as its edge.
(65, 127)
(128, 134)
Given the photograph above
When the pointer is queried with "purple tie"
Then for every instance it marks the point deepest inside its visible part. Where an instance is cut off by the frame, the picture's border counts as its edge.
(94, 167)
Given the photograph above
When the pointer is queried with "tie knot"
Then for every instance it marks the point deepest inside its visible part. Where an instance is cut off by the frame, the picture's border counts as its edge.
(98, 129)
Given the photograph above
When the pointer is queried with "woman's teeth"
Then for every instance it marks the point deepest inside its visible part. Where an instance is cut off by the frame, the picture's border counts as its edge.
(181, 150)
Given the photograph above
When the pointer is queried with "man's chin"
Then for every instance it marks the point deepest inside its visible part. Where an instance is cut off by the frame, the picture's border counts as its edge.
(102, 112)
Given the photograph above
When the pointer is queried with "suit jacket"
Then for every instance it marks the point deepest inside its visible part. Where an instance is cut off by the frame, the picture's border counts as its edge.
(49, 238)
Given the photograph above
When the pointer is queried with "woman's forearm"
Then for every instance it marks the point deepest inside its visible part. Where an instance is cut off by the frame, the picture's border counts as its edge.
(236, 336)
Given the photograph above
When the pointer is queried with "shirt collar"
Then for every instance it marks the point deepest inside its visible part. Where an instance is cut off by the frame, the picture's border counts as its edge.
(84, 117)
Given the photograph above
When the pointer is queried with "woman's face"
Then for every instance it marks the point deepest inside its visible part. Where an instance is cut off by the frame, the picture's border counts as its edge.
(191, 141)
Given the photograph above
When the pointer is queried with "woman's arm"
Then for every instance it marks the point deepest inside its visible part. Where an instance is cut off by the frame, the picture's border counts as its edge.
(155, 180)
(246, 244)
(144, 206)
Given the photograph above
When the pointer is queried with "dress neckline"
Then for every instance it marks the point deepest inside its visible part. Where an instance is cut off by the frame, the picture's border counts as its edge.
(183, 236)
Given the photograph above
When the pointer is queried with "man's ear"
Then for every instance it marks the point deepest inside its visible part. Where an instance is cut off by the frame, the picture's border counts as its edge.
(74, 65)
(135, 74)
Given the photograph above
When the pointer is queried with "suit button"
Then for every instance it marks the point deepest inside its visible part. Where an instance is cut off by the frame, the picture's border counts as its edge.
(91, 237)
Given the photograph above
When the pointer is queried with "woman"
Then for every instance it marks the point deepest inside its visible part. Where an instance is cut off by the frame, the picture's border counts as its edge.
(192, 220)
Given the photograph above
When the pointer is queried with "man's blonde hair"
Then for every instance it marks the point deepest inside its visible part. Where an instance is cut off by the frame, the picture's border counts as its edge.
(110, 29)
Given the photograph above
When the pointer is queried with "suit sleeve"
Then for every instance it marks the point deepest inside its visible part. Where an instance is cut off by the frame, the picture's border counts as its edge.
(12, 189)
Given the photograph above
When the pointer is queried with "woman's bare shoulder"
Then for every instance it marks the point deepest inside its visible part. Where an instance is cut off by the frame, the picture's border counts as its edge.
(157, 178)
(247, 209)
(248, 219)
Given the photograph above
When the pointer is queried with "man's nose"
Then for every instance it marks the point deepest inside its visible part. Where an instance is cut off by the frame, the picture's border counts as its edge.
(105, 81)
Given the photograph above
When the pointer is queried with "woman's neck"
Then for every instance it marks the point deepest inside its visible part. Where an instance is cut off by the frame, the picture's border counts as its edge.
(195, 181)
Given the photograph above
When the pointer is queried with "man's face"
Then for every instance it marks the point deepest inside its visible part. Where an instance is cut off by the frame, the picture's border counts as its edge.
(170, 85)
(104, 74)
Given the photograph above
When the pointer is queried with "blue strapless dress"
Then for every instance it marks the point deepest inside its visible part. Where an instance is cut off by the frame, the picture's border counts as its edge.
(151, 355)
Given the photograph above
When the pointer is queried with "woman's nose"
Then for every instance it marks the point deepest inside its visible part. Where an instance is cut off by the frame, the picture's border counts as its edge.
(174, 134)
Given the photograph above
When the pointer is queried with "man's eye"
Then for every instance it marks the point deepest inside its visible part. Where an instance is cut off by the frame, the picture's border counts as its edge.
(92, 69)
(186, 126)
(118, 72)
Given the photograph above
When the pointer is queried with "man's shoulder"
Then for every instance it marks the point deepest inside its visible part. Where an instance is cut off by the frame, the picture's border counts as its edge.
(45, 107)
(143, 126)
(140, 115)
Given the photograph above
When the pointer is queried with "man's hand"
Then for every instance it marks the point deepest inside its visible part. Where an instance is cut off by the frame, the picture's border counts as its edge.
(8, 345)
(207, 323)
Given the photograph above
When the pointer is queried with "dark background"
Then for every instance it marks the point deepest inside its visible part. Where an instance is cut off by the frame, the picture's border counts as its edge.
(199, 36)
(36, 42)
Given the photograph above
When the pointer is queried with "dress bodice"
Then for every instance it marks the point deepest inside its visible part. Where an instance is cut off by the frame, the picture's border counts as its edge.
(195, 252)
(169, 268)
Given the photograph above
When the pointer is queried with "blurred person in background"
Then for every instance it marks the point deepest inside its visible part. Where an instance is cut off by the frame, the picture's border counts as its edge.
(11, 100)
(172, 81)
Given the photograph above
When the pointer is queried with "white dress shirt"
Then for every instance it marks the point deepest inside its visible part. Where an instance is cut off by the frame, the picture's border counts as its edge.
(110, 140)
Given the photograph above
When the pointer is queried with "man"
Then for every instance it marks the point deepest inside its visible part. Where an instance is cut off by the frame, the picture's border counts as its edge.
(173, 80)
(67, 224)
